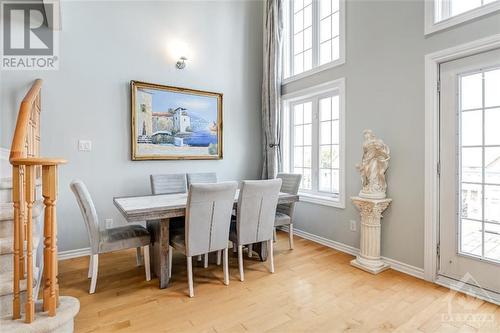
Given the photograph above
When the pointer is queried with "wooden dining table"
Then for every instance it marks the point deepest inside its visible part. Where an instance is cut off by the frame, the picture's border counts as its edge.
(157, 210)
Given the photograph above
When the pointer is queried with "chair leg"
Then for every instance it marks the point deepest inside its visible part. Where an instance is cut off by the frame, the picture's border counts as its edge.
(205, 260)
(235, 248)
(225, 266)
(138, 256)
(199, 258)
(290, 236)
(240, 262)
(274, 234)
(190, 275)
(89, 274)
(250, 250)
(271, 255)
(170, 255)
(147, 268)
(95, 266)
(218, 257)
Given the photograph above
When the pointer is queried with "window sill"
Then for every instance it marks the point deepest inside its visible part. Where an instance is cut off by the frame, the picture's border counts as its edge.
(314, 71)
(322, 200)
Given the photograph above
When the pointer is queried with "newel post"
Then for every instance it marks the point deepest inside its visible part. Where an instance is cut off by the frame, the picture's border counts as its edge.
(49, 192)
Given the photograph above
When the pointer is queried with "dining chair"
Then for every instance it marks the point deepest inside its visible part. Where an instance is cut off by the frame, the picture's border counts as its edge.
(168, 183)
(201, 177)
(255, 217)
(208, 217)
(198, 178)
(108, 240)
(284, 212)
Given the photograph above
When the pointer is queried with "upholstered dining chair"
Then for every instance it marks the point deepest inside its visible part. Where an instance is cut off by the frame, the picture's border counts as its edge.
(255, 217)
(208, 217)
(284, 212)
(109, 240)
(168, 183)
(201, 177)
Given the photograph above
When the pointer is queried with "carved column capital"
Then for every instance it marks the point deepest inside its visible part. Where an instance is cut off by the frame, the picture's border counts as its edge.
(371, 208)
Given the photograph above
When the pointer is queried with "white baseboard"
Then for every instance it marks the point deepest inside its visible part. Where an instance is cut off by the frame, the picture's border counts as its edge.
(63, 255)
(396, 265)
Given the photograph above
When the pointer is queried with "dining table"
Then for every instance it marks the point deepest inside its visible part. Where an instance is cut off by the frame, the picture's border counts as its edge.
(157, 210)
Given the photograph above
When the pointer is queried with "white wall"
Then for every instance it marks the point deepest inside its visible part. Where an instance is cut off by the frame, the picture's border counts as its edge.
(104, 45)
(384, 74)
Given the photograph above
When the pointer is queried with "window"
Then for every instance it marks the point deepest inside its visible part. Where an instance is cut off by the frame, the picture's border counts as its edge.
(313, 137)
(442, 14)
(315, 41)
(480, 163)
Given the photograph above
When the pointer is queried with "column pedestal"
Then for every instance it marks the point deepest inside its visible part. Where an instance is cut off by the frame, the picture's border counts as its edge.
(369, 254)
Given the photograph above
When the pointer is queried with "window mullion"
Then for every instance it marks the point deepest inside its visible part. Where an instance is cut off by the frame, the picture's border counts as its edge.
(291, 39)
(315, 145)
(315, 33)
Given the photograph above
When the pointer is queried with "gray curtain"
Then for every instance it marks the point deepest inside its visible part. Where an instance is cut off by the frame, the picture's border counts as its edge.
(271, 87)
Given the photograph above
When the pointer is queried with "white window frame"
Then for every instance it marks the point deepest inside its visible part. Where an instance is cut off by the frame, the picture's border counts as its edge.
(315, 93)
(288, 43)
(430, 10)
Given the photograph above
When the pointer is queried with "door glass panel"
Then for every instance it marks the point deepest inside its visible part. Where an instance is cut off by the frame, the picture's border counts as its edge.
(492, 241)
(471, 91)
(491, 125)
(492, 203)
(472, 128)
(492, 88)
(472, 240)
(472, 167)
(492, 165)
(480, 164)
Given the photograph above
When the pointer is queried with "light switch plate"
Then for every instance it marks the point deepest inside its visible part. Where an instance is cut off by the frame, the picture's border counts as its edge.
(84, 145)
(353, 225)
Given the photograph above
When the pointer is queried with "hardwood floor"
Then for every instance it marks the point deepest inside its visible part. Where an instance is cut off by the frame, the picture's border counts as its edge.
(314, 289)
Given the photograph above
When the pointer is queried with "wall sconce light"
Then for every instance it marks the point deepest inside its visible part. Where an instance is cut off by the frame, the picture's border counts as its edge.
(181, 63)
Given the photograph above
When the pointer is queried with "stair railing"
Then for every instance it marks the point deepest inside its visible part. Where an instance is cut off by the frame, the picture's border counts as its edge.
(27, 170)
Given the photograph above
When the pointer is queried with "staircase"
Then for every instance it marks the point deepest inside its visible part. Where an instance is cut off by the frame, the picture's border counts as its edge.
(28, 246)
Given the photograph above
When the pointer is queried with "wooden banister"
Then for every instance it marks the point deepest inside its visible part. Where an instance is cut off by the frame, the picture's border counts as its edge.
(27, 168)
(28, 111)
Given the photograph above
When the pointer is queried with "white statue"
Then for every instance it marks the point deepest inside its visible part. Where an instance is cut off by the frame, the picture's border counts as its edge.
(376, 155)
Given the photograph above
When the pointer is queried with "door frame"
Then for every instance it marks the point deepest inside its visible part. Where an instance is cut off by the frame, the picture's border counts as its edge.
(431, 216)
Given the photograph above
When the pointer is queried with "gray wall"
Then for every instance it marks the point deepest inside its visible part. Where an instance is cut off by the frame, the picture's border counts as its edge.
(384, 74)
(104, 45)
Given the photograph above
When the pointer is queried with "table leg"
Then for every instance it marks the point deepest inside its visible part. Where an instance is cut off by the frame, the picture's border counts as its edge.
(159, 231)
(261, 249)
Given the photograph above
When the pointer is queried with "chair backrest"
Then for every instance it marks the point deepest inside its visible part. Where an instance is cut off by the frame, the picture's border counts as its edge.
(290, 184)
(201, 177)
(168, 183)
(256, 210)
(208, 217)
(88, 212)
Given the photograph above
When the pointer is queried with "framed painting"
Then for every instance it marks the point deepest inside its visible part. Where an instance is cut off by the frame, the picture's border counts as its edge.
(171, 123)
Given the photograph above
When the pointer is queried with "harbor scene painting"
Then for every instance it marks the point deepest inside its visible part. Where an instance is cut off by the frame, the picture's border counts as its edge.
(175, 123)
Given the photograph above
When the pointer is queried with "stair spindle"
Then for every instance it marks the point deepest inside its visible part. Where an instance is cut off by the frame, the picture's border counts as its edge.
(30, 200)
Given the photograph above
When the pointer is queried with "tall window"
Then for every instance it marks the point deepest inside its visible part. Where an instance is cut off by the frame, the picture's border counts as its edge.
(442, 14)
(314, 147)
(315, 35)
(480, 164)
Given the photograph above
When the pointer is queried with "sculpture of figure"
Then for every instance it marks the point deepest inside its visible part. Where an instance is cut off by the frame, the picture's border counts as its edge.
(376, 155)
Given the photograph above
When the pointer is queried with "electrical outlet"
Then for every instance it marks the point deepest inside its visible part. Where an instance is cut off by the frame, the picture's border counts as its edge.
(353, 225)
(84, 145)
(109, 223)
